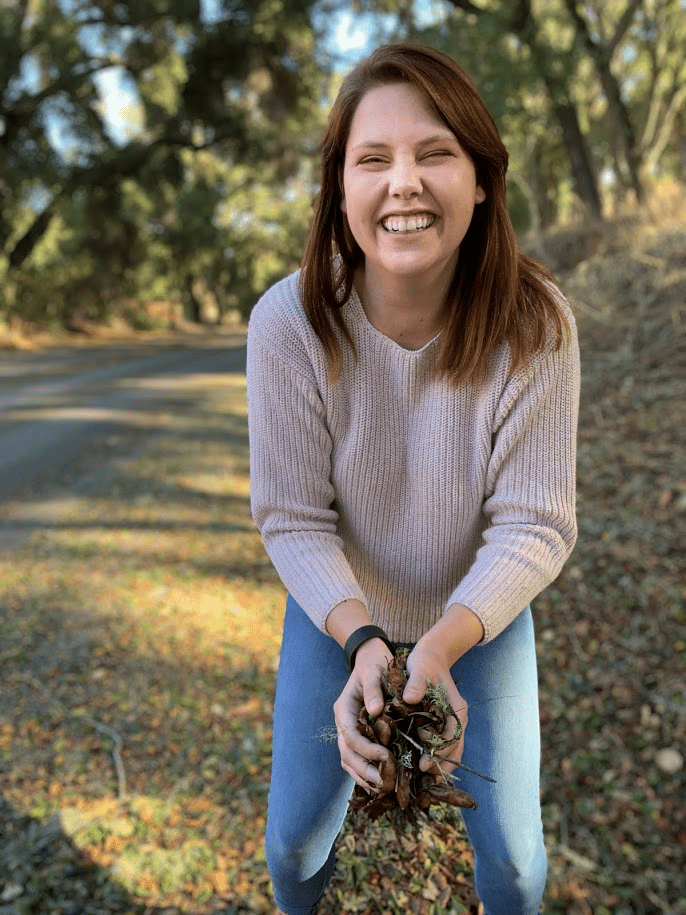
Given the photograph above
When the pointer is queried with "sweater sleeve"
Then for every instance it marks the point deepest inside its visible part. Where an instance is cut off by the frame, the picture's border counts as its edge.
(530, 493)
(290, 476)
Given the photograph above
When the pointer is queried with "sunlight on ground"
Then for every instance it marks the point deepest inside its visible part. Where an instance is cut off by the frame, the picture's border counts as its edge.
(140, 634)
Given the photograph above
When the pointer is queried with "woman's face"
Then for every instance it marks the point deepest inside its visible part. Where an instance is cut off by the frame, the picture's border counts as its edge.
(409, 189)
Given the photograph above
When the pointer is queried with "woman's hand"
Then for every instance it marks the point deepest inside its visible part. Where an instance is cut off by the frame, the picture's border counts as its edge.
(359, 756)
(457, 631)
(428, 666)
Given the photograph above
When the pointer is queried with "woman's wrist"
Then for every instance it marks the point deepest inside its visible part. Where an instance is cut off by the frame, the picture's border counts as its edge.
(349, 624)
(359, 638)
(458, 630)
(346, 618)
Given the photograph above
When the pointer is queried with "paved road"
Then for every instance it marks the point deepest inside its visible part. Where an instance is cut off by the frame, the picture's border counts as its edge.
(64, 412)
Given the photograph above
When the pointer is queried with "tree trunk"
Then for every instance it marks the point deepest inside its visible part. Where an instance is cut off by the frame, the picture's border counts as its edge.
(521, 22)
(621, 128)
(581, 161)
(545, 200)
(194, 308)
(32, 236)
(583, 174)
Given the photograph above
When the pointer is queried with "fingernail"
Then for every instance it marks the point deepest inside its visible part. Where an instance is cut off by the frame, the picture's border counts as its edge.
(373, 776)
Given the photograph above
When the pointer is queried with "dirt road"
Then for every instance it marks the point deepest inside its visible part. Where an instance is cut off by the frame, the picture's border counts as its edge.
(68, 414)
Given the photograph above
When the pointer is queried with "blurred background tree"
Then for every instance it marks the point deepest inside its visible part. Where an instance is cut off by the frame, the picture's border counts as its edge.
(203, 194)
(589, 96)
(164, 149)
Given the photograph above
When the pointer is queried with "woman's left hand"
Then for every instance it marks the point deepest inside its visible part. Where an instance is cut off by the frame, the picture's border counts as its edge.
(427, 666)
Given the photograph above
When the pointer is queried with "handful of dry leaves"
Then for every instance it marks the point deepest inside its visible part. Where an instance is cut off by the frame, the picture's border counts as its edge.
(408, 731)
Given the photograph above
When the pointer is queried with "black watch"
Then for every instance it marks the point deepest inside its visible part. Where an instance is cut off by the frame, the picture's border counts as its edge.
(359, 637)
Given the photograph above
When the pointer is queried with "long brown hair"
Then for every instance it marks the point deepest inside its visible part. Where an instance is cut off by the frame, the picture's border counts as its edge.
(497, 293)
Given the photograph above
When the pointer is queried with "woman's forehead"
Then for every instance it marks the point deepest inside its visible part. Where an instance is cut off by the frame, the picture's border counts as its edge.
(392, 110)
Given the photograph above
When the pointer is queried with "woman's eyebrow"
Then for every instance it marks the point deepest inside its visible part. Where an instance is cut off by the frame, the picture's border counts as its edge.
(438, 138)
(369, 144)
(425, 141)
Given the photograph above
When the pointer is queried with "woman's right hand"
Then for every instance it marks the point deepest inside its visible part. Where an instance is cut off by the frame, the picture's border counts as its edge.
(359, 756)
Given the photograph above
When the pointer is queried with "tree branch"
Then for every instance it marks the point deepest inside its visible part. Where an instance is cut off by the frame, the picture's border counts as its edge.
(522, 19)
(622, 26)
(126, 164)
(115, 736)
(62, 84)
(468, 7)
(32, 236)
(623, 125)
(664, 132)
(12, 59)
(117, 747)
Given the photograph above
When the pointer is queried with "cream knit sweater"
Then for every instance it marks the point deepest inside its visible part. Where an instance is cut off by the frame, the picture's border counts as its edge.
(401, 490)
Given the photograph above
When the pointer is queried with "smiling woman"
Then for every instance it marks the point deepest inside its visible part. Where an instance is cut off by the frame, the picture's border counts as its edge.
(409, 192)
(412, 401)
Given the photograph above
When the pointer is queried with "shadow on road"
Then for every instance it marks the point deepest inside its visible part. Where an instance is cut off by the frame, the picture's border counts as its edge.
(69, 425)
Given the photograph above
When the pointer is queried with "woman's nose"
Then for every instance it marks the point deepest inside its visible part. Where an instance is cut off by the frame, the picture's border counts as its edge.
(405, 181)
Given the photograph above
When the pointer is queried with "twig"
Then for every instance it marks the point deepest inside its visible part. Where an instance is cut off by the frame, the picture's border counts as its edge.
(118, 746)
(115, 736)
(435, 755)
(460, 765)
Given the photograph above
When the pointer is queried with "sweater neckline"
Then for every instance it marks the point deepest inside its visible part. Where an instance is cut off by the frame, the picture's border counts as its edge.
(361, 316)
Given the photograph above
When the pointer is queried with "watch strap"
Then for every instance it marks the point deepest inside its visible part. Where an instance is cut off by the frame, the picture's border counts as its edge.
(359, 637)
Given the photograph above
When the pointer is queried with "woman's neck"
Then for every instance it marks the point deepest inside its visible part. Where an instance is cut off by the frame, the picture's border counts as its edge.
(409, 313)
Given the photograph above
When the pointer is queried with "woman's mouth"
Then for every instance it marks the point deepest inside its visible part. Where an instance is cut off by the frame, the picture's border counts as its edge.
(414, 223)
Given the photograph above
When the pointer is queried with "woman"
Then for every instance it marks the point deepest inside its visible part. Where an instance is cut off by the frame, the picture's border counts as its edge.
(412, 400)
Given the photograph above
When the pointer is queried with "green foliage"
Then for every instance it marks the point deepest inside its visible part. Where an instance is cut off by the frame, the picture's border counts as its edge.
(437, 694)
(205, 190)
(590, 97)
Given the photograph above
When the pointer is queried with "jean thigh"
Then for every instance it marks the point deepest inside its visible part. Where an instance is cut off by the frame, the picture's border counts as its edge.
(309, 790)
(500, 684)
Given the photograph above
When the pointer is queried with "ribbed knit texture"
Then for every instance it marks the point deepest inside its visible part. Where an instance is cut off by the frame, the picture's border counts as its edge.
(401, 490)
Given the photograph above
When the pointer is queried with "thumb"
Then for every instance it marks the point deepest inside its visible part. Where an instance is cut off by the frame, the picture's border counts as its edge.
(415, 688)
(373, 697)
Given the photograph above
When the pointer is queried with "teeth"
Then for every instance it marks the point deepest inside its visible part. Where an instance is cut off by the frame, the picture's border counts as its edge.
(411, 224)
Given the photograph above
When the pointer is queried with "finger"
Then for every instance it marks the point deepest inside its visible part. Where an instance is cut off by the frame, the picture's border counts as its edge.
(436, 767)
(365, 773)
(372, 776)
(446, 759)
(415, 688)
(370, 779)
(440, 765)
(356, 750)
(373, 696)
(353, 744)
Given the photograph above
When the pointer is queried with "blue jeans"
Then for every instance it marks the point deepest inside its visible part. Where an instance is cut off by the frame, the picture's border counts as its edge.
(309, 790)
